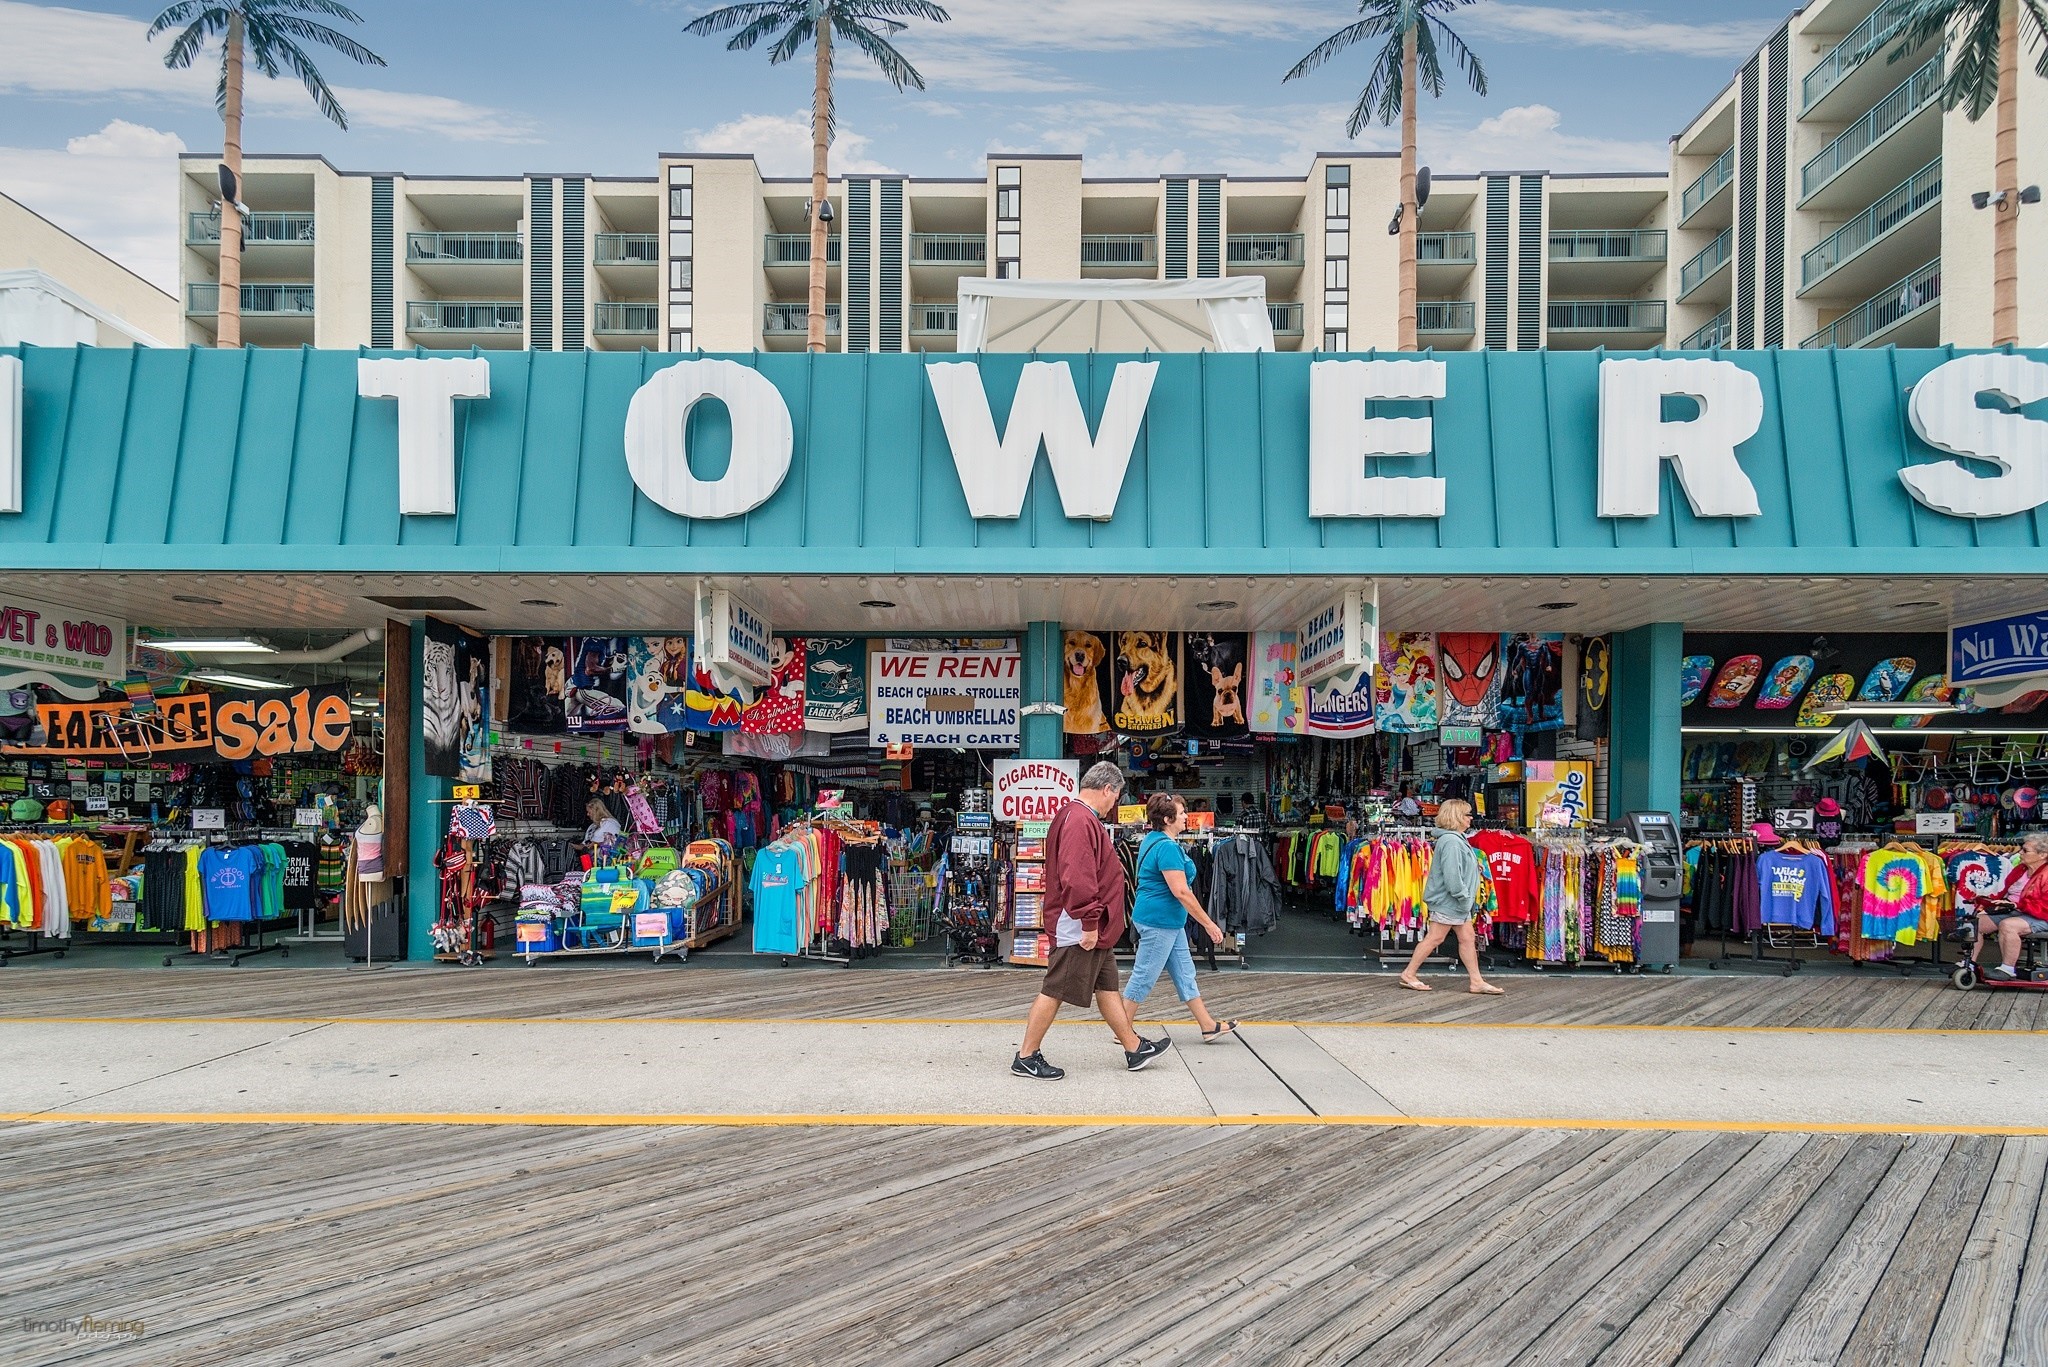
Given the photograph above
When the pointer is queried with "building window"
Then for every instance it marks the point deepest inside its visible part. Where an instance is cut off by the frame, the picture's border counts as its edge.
(679, 341)
(679, 275)
(1009, 175)
(681, 206)
(1009, 270)
(1336, 315)
(1009, 202)
(1337, 273)
(679, 175)
(1337, 243)
(1337, 201)
(1336, 341)
(1337, 175)
(679, 315)
(1009, 222)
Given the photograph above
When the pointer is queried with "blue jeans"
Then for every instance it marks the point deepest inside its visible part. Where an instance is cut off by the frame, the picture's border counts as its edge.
(1161, 948)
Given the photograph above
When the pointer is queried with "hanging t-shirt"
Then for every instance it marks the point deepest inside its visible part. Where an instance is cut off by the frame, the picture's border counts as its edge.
(1517, 879)
(227, 880)
(1796, 891)
(301, 864)
(777, 882)
(1155, 904)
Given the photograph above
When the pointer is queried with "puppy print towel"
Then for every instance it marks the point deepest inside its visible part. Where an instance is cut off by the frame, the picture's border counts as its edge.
(1147, 675)
(1214, 670)
(1088, 686)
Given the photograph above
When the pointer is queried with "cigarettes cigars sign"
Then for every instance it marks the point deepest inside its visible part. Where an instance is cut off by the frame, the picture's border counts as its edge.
(196, 727)
(1035, 789)
(965, 699)
(37, 635)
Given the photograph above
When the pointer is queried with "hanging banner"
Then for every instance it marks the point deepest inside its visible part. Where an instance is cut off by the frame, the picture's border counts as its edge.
(835, 684)
(733, 638)
(1406, 686)
(1532, 695)
(455, 710)
(36, 635)
(1595, 682)
(778, 710)
(1035, 789)
(1557, 793)
(1470, 661)
(1086, 681)
(1343, 705)
(1279, 702)
(1998, 649)
(270, 724)
(1213, 668)
(595, 691)
(1147, 673)
(1341, 637)
(180, 728)
(659, 678)
(970, 700)
(537, 675)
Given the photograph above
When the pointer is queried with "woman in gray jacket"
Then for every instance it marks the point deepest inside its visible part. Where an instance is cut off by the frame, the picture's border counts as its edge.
(1449, 894)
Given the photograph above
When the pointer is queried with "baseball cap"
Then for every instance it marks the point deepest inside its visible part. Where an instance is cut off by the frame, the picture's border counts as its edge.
(25, 809)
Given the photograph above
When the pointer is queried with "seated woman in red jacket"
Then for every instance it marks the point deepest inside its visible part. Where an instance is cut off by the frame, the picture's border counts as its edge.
(2020, 909)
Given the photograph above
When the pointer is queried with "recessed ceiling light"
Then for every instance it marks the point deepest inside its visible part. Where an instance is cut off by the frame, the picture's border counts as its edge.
(538, 603)
(198, 598)
(1216, 605)
(1918, 603)
(876, 603)
(211, 645)
(1556, 607)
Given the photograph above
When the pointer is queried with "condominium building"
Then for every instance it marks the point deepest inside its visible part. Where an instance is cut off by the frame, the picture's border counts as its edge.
(1804, 206)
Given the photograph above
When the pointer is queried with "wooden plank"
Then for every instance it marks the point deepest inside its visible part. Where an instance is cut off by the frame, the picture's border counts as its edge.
(1976, 1312)
(2027, 1340)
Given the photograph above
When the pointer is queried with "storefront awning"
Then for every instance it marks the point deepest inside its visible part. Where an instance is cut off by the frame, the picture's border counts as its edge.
(1115, 315)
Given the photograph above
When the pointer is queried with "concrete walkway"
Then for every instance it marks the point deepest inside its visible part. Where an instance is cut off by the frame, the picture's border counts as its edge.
(722, 1071)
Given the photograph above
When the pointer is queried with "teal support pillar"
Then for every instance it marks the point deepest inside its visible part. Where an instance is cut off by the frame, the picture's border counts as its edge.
(1644, 744)
(1044, 734)
(428, 799)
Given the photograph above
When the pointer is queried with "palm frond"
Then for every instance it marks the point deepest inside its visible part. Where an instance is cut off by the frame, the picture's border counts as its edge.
(893, 9)
(1337, 42)
(191, 42)
(1468, 61)
(1972, 83)
(1926, 21)
(333, 9)
(792, 42)
(301, 65)
(748, 13)
(184, 12)
(753, 33)
(312, 32)
(881, 52)
(2037, 11)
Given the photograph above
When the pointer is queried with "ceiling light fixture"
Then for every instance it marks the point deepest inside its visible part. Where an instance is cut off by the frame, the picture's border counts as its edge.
(1216, 605)
(215, 645)
(237, 680)
(198, 598)
(1556, 607)
(538, 603)
(876, 603)
(1918, 603)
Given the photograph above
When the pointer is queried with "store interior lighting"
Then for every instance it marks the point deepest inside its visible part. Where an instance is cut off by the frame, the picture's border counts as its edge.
(235, 680)
(228, 645)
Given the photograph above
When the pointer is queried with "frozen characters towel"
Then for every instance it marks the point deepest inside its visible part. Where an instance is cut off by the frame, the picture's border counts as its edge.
(1213, 671)
(1085, 682)
(1470, 661)
(661, 673)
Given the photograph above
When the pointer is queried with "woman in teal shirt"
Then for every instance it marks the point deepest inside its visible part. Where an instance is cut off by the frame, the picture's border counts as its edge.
(1160, 916)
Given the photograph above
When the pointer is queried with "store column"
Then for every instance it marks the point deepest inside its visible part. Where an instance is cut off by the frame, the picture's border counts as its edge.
(1043, 733)
(428, 800)
(1645, 745)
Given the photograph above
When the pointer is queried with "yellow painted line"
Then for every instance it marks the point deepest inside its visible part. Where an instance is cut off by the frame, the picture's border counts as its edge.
(955, 1119)
(1018, 1020)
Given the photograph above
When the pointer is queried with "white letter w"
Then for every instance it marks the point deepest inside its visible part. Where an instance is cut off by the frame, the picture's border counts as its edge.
(996, 471)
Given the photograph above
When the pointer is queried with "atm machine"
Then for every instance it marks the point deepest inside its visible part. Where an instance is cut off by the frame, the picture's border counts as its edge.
(1663, 879)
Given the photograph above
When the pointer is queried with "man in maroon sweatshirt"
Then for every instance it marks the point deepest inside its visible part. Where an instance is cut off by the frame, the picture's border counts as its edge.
(1084, 909)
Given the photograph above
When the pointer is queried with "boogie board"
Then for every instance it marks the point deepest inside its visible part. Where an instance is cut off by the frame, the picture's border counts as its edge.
(1693, 673)
(1786, 682)
(1830, 690)
(1887, 680)
(1737, 677)
(1928, 690)
(2025, 702)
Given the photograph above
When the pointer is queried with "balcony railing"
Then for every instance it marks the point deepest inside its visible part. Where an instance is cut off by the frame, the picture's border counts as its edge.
(794, 249)
(1892, 305)
(449, 315)
(1707, 186)
(934, 320)
(794, 320)
(1631, 244)
(948, 249)
(1263, 249)
(628, 249)
(1859, 137)
(265, 225)
(1878, 28)
(1696, 272)
(1855, 236)
(1444, 315)
(1446, 247)
(1286, 319)
(1119, 249)
(276, 301)
(1607, 315)
(463, 248)
(1712, 336)
(613, 316)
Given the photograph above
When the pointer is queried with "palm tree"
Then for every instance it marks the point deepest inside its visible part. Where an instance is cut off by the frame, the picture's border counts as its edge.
(1415, 37)
(868, 25)
(271, 31)
(1983, 39)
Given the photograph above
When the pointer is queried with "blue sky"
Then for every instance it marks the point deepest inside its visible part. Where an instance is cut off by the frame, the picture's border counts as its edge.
(90, 120)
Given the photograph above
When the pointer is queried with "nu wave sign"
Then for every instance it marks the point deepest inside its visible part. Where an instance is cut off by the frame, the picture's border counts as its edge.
(1998, 649)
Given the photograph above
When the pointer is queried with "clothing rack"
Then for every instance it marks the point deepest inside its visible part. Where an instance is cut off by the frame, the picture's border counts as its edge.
(1785, 965)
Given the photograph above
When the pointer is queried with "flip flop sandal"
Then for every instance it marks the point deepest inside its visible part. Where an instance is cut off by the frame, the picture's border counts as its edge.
(1487, 991)
(1222, 1029)
(1414, 987)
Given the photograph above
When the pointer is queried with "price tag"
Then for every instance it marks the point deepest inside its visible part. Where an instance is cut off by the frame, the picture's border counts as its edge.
(1934, 823)
(530, 932)
(1792, 818)
(95, 804)
(305, 816)
(468, 792)
(625, 899)
(209, 818)
(650, 925)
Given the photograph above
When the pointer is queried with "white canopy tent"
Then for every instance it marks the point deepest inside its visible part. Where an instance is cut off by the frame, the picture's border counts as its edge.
(1115, 315)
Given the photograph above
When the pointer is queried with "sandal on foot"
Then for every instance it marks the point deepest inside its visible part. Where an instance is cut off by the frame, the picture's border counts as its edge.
(1222, 1028)
(1414, 986)
(1487, 990)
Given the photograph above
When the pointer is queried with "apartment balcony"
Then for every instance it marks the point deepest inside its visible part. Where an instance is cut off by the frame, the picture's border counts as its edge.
(1126, 255)
(1710, 192)
(1710, 267)
(272, 239)
(786, 327)
(272, 314)
(1438, 319)
(1852, 77)
(469, 263)
(620, 318)
(1444, 259)
(934, 325)
(451, 324)
(1882, 243)
(1606, 259)
(1718, 332)
(1286, 319)
(1617, 324)
(628, 262)
(1903, 129)
(794, 249)
(1273, 255)
(1905, 313)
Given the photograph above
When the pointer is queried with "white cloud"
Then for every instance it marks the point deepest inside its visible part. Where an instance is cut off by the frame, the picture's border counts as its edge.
(115, 189)
(781, 144)
(66, 53)
(1720, 39)
(1122, 138)
(1531, 137)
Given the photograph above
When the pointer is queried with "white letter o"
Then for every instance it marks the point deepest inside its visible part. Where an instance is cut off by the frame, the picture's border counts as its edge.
(658, 455)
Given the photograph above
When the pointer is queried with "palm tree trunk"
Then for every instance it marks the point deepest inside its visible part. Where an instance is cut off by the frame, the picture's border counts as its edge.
(2005, 241)
(1409, 211)
(821, 141)
(228, 324)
